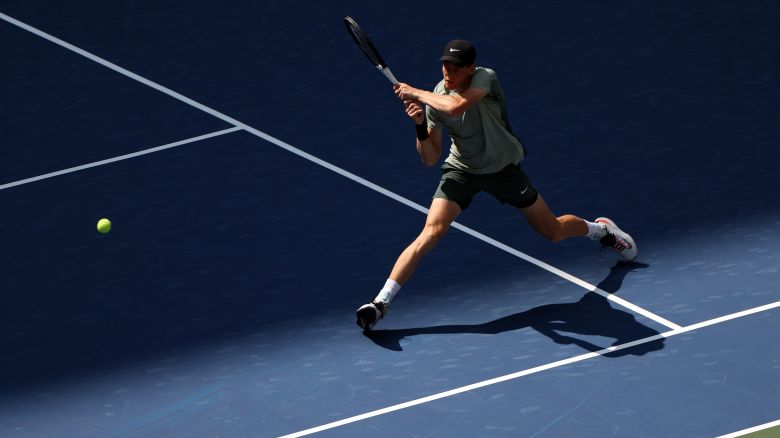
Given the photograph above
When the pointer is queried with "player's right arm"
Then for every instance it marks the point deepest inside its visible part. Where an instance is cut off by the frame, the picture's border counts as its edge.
(428, 139)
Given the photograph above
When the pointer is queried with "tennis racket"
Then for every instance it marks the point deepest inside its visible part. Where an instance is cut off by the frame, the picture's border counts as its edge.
(365, 44)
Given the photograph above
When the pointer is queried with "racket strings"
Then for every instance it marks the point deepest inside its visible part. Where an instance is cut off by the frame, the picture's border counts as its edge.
(365, 44)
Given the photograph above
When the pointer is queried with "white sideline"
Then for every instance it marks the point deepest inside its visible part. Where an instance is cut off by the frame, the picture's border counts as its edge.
(119, 158)
(751, 429)
(332, 167)
(529, 371)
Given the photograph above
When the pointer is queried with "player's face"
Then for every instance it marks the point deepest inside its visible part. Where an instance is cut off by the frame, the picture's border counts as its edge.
(455, 77)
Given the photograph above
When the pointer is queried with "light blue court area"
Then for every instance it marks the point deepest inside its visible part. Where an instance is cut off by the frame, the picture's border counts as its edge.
(262, 179)
(694, 383)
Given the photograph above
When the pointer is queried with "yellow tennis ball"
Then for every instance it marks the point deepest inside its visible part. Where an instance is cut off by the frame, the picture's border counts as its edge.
(104, 226)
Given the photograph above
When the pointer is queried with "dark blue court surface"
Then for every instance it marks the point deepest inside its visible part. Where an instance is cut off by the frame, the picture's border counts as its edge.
(222, 302)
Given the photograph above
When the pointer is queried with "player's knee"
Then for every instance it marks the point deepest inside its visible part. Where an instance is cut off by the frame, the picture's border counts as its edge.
(431, 235)
(435, 231)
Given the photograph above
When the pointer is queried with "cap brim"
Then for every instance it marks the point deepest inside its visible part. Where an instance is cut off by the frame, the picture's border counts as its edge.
(452, 59)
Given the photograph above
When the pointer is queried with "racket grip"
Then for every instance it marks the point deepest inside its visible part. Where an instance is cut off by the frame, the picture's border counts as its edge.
(388, 74)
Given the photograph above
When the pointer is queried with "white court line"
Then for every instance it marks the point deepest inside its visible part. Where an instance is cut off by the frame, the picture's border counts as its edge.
(119, 158)
(330, 166)
(567, 276)
(529, 371)
(751, 429)
(676, 328)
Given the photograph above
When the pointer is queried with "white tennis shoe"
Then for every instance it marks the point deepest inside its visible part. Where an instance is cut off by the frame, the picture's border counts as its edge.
(617, 239)
(369, 314)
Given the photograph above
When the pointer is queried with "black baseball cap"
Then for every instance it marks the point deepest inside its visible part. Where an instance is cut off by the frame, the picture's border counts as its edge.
(459, 52)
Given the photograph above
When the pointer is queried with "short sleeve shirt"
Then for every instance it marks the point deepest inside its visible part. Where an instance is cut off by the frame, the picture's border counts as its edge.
(482, 140)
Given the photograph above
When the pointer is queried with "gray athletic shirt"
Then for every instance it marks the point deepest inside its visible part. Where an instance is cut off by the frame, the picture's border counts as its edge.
(482, 140)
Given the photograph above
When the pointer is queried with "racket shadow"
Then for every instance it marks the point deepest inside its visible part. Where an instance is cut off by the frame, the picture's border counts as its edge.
(591, 315)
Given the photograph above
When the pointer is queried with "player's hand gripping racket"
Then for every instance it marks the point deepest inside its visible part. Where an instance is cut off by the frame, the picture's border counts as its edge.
(365, 44)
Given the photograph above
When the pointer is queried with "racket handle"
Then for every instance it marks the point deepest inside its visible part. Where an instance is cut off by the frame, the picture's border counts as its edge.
(388, 74)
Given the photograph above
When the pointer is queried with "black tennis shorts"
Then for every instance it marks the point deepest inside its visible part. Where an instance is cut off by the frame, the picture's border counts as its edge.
(510, 186)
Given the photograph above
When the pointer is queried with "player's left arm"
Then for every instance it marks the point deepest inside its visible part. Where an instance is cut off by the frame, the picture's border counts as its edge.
(454, 104)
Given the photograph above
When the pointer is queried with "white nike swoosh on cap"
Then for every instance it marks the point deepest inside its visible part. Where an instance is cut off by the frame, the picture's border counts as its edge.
(454, 50)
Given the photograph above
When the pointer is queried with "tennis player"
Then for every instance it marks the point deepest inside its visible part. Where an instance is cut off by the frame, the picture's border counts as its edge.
(484, 156)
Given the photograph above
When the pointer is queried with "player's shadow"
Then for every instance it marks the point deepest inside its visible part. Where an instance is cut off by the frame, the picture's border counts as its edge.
(591, 315)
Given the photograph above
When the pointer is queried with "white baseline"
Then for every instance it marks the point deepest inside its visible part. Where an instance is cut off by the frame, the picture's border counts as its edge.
(752, 429)
(330, 166)
(529, 371)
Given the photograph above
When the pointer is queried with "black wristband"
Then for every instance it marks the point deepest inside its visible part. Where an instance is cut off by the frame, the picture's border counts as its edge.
(422, 131)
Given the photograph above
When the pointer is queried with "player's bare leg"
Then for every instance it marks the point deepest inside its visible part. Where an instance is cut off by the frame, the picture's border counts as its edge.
(553, 228)
(558, 228)
(440, 216)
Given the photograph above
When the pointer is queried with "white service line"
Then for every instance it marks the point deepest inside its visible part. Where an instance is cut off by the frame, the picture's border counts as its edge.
(209, 110)
(529, 371)
(751, 429)
(328, 166)
(119, 158)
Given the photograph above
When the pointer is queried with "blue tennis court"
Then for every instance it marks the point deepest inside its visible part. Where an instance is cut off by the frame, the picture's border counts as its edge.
(261, 179)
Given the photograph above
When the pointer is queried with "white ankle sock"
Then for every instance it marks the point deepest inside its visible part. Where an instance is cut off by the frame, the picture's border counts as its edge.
(595, 231)
(388, 292)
